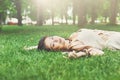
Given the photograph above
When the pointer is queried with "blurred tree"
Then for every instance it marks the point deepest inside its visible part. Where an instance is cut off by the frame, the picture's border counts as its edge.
(74, 11)
(82, 13)
(94, 8)
(18, 4)
(40, 13)
(118, 10)
(104, 10)
(113, 11)
(33, 9)
(52, 7)
(12, 10)
(37, 8)
(4, 6)
(63, 7)
(52, 11)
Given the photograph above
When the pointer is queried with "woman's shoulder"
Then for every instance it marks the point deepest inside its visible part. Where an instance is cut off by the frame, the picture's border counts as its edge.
(73, 35)
(81, 33)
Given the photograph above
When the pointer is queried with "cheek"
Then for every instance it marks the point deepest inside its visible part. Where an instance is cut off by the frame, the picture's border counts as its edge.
(47, 46)
(58, 46)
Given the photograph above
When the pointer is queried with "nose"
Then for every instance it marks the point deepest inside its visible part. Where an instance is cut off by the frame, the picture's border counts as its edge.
(56, 40)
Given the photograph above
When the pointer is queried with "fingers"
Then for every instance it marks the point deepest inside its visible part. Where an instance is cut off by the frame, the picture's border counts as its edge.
(93, 51)
(73, 54)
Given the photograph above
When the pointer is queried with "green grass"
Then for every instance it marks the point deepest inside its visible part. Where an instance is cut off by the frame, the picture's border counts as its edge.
(18, 64)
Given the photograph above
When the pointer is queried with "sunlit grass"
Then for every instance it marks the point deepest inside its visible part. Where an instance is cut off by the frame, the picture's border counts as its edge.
(18, 64)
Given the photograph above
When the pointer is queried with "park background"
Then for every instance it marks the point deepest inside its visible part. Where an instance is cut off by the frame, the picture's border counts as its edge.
(24, 22)
(76, 12)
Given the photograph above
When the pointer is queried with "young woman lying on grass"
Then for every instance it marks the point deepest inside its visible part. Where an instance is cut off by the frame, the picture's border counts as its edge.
(81, 43)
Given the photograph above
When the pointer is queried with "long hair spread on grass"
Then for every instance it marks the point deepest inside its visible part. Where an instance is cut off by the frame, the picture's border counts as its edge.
(41, 44)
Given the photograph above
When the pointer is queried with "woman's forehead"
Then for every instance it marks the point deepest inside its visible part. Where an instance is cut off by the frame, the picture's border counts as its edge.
(48, 41)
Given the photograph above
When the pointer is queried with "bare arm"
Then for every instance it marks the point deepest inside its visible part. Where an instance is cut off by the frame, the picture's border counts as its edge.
(30, 48)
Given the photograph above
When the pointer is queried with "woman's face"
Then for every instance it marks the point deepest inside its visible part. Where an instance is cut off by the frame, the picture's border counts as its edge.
(55, 43)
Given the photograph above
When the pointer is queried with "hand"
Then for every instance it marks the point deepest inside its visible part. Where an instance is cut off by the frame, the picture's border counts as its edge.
(73, 54)
(94, 51)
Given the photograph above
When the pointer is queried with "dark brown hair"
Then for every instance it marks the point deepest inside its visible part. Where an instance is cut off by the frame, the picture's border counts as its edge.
(41, 44)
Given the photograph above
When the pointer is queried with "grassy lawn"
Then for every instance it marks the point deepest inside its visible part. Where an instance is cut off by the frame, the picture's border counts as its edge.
(18, 64)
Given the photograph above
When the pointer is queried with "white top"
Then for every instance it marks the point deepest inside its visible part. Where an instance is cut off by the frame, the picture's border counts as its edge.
(98, 38)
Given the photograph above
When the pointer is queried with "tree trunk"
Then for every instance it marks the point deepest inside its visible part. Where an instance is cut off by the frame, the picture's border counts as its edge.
(52, 15)
(62, 17)
(81, 20)
(113, 11)
(105, 19)
(74, 11)
(0, 19)
(0, 22)
(18, 8)
(93, 15)
(82, 14)
(74, 18)
(40, 18)
(66, 17)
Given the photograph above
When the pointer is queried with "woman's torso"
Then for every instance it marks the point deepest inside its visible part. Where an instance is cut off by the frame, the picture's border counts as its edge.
(98, 38)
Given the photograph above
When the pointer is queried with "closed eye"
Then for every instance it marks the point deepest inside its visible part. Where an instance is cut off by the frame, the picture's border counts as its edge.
(53, 45)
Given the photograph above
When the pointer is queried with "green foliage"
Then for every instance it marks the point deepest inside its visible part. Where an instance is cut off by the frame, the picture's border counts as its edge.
(18, 64)
(0, 28)
(5, 5)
